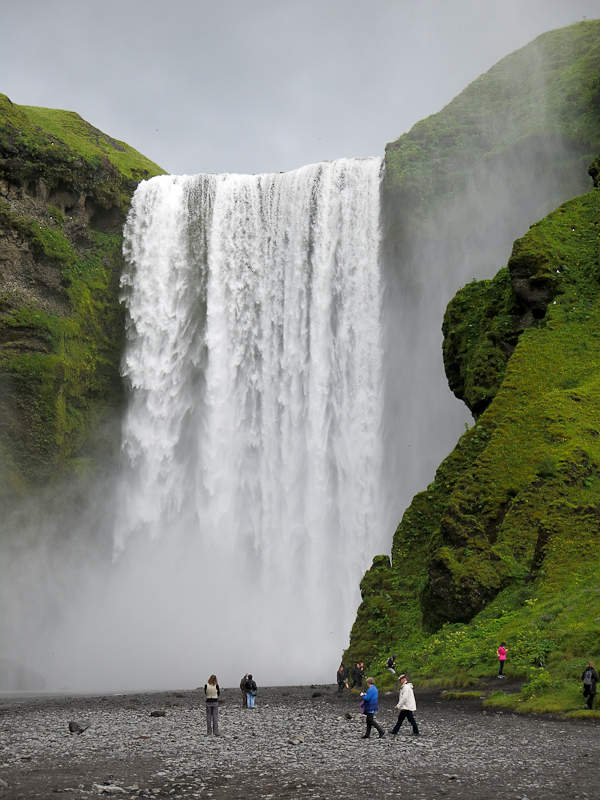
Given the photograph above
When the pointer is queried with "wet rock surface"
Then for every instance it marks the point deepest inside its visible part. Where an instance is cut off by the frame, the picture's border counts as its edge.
(292, 745)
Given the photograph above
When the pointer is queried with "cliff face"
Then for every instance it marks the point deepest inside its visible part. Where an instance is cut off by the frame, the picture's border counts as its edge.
(64, 193)
(502, 542)
(533, 486)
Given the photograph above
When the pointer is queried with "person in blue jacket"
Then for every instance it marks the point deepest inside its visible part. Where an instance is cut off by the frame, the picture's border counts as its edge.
(371, 698)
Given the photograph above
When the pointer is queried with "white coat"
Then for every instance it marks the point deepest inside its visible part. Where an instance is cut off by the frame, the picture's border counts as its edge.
(406, 700)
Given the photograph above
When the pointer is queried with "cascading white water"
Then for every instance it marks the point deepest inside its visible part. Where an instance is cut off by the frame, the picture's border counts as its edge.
(253, 434)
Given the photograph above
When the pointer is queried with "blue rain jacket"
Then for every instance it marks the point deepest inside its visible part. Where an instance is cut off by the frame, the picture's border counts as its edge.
(371, 699)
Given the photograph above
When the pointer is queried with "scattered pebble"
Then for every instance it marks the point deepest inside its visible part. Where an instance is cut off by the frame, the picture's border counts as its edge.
(293, 745)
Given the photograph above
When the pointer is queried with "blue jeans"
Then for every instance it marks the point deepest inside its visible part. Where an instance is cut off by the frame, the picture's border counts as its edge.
(250, 699)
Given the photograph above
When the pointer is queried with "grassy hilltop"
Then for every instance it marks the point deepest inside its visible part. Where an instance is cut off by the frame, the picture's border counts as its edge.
(65, 189)
(504, 543)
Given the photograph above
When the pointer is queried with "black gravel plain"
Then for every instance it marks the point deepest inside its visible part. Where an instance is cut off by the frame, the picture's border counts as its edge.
(299, 742)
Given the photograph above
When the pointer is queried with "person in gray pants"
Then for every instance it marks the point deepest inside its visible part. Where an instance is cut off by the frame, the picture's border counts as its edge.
(212, 692)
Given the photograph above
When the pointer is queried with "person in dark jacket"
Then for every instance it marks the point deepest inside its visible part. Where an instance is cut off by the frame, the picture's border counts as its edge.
(212, 692)
(251, 690)
(357, 675)
(243, 690)
(371, 698)
(589, 678)
(342, 678)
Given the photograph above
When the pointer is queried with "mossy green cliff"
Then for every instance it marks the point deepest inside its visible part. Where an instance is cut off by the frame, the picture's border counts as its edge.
(65, 189)
(504, 543)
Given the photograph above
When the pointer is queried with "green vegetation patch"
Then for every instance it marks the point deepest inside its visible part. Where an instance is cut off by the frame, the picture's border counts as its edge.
(449, 695)
(90, 143)
(61, 324)
(58, 372)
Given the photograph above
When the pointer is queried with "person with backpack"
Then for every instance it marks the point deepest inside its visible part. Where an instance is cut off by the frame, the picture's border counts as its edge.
(251, 690)
(371, 704)
(589, 678)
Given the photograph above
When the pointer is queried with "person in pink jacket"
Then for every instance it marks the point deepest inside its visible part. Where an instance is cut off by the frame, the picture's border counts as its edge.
(501, 658)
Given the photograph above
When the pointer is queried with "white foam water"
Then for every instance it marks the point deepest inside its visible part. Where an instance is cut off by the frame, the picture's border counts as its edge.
(252, 440)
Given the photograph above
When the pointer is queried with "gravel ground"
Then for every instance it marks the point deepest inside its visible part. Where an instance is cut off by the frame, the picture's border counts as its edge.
(296, 743)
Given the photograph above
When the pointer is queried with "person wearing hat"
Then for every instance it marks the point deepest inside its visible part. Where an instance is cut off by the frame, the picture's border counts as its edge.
(406, 705)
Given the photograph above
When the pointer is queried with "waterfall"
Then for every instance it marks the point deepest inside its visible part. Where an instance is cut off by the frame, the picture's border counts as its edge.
(252, 440)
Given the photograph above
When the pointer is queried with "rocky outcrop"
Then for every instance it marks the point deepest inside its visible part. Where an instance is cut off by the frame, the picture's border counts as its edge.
(64, 194)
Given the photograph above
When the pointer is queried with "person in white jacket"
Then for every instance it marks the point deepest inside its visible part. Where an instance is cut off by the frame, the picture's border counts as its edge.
(407, 705)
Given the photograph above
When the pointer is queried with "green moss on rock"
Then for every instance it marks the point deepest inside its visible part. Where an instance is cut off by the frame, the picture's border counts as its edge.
(65, 189)
(506, 536)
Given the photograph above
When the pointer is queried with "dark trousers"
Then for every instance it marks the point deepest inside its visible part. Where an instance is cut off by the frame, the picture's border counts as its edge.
(371, 723)
(405, 714)
(341, 686)
(590, 697)
(501, 667)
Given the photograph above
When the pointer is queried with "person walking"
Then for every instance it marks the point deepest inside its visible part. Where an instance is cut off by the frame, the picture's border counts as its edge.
(342, 678)
(251, 690)
(501, 658)
(243, 690)
(589, 678)
(406, 705)
(371, 698)
(212, 692)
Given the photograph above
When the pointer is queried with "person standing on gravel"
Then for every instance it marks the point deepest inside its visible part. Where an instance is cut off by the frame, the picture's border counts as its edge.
(251, 690)
(501, 658)
(357, 675)
(407, 705)
(371, 698)
(589, 678)
(243, 690)
(212, 692)
(342, 678)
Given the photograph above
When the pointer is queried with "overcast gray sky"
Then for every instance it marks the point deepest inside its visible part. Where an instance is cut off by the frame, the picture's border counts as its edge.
(260, 85)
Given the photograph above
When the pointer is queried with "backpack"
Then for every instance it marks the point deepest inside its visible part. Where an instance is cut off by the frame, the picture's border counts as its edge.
(588, 677)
